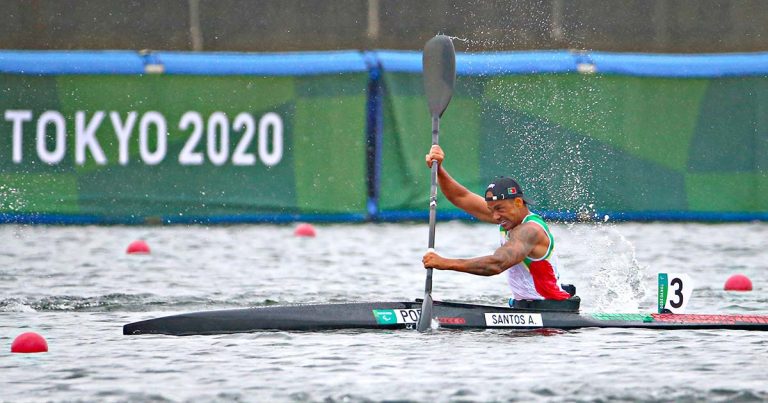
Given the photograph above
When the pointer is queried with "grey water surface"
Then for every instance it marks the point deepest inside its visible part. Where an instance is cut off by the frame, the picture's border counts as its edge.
(76, 286)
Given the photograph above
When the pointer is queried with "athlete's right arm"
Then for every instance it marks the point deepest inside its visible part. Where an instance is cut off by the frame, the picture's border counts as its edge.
(455, 192)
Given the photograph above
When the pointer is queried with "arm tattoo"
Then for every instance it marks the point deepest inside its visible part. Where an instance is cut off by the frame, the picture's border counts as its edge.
(521, 243)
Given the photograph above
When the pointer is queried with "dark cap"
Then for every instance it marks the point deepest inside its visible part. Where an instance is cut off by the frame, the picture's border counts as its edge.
(505, 188)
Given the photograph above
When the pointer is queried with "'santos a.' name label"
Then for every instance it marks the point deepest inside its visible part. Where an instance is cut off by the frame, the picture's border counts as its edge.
(513, 320)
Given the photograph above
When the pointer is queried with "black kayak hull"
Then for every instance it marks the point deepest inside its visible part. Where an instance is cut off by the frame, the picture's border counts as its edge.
(400, 315)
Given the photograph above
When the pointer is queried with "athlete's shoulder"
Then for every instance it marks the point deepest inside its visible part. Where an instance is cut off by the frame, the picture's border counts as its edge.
(536, 229)
(527, 229)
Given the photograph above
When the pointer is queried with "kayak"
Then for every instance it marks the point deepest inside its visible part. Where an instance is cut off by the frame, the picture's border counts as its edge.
(451, 315)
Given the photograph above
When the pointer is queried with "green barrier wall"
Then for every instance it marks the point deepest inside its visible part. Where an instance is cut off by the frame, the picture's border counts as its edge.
(238, 147)
(586, 142)
(126, 137)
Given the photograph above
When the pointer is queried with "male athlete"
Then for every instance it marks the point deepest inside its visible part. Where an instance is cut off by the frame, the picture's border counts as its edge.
(527, 249)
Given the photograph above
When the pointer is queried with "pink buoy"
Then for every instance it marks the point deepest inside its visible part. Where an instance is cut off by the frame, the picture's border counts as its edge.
(738, 282)
(29, 342)
(305, 230)
(138, 246)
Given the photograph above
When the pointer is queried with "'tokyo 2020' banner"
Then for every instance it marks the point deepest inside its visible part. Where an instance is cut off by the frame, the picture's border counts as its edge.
(185, 146)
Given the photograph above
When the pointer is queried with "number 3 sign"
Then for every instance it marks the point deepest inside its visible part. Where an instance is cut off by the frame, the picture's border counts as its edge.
(674, 292)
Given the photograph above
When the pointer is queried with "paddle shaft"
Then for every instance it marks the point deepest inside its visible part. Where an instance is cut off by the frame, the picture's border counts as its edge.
(433, 199)
(425, 319)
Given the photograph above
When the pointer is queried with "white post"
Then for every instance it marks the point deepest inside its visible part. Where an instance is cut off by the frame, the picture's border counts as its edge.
(373, 19)
(557, 34)
(195, 33)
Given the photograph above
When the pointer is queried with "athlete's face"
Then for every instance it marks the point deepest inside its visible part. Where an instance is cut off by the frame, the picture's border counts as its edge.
(508, 213)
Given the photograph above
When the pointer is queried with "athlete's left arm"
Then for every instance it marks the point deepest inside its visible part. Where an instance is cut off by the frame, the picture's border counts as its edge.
(520, 244)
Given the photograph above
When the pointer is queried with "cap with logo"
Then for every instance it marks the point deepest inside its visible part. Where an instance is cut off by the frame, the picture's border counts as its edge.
(505, 188)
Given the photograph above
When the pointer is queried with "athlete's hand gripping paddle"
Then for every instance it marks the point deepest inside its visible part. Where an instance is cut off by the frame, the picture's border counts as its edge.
(439, 63)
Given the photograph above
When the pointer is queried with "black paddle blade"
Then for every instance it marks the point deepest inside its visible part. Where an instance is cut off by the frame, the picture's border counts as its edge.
(425, 318)
(439, 63)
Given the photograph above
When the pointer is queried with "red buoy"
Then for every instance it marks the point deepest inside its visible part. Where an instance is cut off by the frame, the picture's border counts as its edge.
(738, 282)
(29, 342)
(306, 230)
(138, 246)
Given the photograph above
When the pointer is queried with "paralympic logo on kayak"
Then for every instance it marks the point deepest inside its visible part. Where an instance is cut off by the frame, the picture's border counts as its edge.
(395, 316)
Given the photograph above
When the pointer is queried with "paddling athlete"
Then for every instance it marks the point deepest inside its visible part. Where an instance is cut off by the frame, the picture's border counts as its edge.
(527, 249)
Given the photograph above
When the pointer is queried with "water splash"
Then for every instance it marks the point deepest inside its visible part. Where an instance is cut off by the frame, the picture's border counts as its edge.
(15, 305)
(11, 199)
(518, 25)
(550, 125)
(610, 278)
(456, 38)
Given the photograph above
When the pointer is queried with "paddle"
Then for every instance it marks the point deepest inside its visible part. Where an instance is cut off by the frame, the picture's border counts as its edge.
(439, 62)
